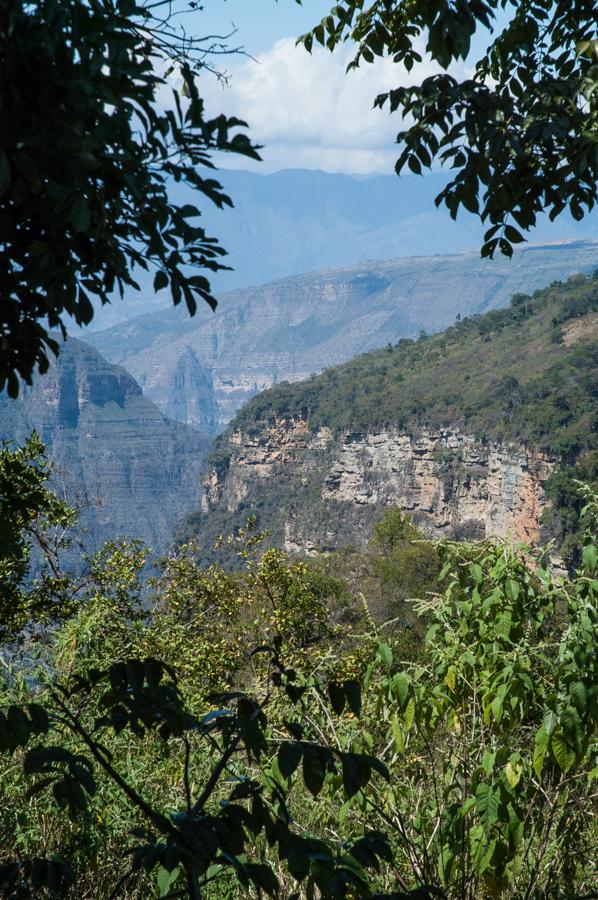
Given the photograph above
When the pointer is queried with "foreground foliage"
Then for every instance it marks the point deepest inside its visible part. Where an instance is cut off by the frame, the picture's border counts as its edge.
(519, 128)
(88, 160)
(225, 734)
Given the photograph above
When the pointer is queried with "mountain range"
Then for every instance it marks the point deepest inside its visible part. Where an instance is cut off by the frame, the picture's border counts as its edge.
(200, 371)
(296, 221)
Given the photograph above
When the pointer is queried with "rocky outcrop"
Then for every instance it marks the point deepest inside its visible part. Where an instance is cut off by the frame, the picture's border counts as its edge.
(451, 483)
(448, 481)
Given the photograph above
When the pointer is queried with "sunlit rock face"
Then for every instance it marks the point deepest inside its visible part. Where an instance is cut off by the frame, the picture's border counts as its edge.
(451, 483)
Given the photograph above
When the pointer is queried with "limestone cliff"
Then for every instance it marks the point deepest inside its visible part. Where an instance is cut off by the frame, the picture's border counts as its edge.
(451, 483)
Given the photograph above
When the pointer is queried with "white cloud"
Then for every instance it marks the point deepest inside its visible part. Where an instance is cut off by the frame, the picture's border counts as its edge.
(308, 112)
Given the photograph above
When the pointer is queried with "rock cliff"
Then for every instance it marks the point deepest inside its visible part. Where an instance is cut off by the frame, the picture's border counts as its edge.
(133, 471)
(462, 430)
(452, 483)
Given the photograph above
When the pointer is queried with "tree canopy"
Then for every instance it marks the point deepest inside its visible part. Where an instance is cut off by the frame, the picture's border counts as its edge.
(89, 151)
(520, 131)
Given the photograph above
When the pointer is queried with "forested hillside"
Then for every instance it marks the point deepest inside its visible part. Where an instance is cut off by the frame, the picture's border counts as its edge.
(464, 429)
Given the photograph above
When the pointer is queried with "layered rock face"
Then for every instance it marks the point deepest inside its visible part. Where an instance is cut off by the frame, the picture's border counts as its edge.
(451, 483)
(132, 471)
(201, 371)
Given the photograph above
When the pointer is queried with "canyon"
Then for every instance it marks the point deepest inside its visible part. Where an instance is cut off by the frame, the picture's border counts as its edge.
(463, 431)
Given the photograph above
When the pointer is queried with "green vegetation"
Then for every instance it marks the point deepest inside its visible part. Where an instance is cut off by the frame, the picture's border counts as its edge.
(562, 520)
(519, 129)
(506, 375)
(213, 734)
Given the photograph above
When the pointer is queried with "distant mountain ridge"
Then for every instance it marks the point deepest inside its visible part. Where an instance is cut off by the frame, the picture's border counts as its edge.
(297, 220)
(200, 371)
(134, 471)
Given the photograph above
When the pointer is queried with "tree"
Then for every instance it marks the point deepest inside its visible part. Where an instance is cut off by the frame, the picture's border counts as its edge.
(72, 723)
(87, 160)
(491, 736)
(520, 133)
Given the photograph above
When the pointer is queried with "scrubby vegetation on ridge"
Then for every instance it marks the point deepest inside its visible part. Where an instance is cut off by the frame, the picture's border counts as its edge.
(510, 374)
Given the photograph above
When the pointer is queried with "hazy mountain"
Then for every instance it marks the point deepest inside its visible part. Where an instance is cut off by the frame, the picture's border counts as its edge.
(202, 370)
(297, 221)
(134, 471)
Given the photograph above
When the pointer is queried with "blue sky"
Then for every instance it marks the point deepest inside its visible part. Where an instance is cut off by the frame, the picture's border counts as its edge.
(303, 108)
(260, 22)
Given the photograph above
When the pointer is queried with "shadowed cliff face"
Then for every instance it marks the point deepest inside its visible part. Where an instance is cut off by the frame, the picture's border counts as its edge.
(134, 471)
(202, 370)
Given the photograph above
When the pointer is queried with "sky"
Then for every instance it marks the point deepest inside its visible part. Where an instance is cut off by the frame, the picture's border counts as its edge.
(304, 109)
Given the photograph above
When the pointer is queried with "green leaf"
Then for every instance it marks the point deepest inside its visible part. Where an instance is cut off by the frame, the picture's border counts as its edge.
(549, 721)
(289, 757)
(450, 679)
(578, 696)
(166, 880)
(572, 727)
(540, 748)
(400, 685)
(512, 589)
(563, 755)
(488, 760)
(397, 732)
(590, 557)
(513, 773)
(497, 709)
(487, 803)
(385, 654)
(477, 574)
(409, 714)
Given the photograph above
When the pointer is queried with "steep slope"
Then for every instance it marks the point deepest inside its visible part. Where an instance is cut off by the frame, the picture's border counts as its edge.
(134, 471)
(202, 370)
(461, 429)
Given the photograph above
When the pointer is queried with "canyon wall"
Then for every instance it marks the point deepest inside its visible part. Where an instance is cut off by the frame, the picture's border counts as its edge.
(323, 490)
(132, 471)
